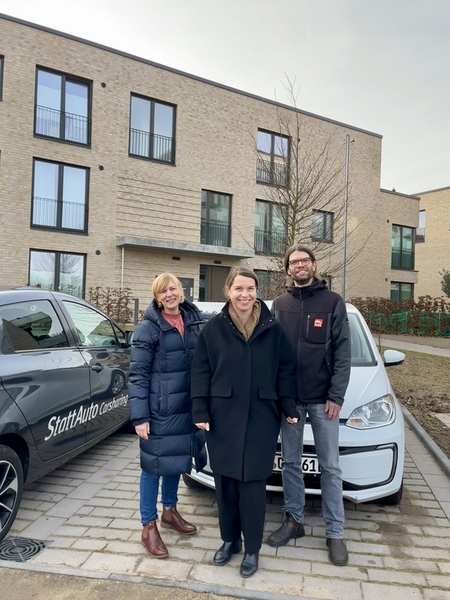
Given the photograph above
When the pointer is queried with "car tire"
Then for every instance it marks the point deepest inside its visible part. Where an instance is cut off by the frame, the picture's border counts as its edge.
(11, 488)
(190, 483)
(394, 499)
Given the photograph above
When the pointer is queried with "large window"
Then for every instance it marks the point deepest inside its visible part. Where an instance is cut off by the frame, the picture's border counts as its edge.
(270, 228)
(152, 129)
(59, 196)
(270, 284)
(63, 105)
(402, 247)
(322, 226)
(420, 231)
(58, 271)
(273, 157)
(215, 219)
(401, 291)
(2, 60)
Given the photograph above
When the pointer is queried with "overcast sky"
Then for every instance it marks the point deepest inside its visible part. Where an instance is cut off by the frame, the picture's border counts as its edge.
(381, 65)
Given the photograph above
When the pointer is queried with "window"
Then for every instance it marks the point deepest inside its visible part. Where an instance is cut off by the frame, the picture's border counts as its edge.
(272, 161)
(215, 219)
(420, 231)
(271, 284)
(58, 271)
(92, 327)
(270, 228)
(401, 291)
(322, 226)
(63, 105)
(152, 129)
(59, 196)
(402, 247)
(2, 60)
(33, 325)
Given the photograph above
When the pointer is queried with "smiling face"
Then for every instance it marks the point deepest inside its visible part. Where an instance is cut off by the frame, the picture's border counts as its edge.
(242, 294)
(301, 268)
(170, 297)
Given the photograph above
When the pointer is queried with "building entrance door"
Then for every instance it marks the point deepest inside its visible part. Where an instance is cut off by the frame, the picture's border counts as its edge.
(188, 287)
(212, 280)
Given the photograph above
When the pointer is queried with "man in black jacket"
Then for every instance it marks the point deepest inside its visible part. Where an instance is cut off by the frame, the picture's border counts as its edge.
(315, 321)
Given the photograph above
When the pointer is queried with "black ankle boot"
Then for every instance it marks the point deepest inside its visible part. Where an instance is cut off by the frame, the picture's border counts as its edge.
(226, 551)
(249, 564)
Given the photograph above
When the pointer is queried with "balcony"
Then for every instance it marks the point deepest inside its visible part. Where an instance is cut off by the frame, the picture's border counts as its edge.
(269, 242)
(45, 214)
(151, 145)
(214, 234)
(72, 128)
(271, 173)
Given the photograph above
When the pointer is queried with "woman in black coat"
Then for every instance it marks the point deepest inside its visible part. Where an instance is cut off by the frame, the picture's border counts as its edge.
(242, 380)
(160, 405)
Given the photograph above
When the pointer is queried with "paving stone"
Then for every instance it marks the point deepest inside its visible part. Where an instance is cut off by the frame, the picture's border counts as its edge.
(377, 591)
(440, 581)
(73, 532)
(169, 568)
(108, 534)
(89, 544)
(112, 563)
(321, 587)
(401, 577)
(348, 572)
(436, 595)
(53, 557)
(227, 575)
(65, 508)
(85, 491)
(42, 527)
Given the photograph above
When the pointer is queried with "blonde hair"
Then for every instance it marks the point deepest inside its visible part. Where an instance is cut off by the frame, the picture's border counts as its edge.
(161, 282)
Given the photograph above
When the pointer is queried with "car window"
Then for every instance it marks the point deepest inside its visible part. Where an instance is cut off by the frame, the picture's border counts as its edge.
(362, 354)
(93, 328)
(33, 326)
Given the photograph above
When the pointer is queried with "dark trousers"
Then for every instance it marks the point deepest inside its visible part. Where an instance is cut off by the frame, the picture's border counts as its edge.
(242, 508)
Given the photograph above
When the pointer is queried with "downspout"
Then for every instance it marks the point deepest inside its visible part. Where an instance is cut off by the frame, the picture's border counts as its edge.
(122, 268)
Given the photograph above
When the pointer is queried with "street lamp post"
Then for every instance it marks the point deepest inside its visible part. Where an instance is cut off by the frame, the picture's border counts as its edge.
(344, 259)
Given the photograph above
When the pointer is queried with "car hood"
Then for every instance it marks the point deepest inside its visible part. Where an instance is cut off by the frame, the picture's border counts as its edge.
(366, 384)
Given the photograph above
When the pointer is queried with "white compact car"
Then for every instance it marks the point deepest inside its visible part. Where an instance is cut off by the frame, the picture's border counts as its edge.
(371, 437)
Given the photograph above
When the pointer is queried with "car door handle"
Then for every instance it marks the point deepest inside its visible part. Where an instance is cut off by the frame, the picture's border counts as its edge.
(97, 368)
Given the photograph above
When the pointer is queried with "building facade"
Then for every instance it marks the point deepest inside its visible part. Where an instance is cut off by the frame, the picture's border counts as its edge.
(114, 169)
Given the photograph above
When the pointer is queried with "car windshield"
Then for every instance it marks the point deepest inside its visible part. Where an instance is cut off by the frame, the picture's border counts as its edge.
(362, 353)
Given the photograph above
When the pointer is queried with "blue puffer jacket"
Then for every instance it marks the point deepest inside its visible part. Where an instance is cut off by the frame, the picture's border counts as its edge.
(159, 389)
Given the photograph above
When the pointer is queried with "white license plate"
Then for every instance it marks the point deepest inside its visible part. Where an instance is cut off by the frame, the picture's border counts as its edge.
(310, 464)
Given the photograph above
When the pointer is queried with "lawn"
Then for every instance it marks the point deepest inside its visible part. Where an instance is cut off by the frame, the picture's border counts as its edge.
(422, 384)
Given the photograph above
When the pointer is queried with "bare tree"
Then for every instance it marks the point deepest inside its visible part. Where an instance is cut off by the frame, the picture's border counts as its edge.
(307, 194)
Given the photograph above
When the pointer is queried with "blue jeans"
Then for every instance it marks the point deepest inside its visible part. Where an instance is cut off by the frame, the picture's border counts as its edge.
(149, 494)
(326, 438)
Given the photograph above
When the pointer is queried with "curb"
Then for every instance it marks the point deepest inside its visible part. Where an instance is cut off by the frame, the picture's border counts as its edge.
(438, 455)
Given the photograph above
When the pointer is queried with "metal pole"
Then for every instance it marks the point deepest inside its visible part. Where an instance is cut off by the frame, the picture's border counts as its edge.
(347, 156)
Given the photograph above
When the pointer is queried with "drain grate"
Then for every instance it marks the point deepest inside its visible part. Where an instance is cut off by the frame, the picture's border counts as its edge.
(18, 549)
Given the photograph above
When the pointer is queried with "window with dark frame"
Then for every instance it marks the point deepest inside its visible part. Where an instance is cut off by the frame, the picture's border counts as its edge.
(58, 271)
(401, 291)
(403, 240)
(63, 107)
(152, 129)
(215, 219)
(273, 159)
(60, 196)
(2, 62)
(420, 231)
(322, 226)
(270, 228)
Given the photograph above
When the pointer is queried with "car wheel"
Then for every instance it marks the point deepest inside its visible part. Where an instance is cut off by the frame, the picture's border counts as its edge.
(11, 487)
(190, 483)
(394, 499)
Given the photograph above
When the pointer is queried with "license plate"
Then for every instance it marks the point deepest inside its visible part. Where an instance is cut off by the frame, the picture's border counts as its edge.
(310, 464)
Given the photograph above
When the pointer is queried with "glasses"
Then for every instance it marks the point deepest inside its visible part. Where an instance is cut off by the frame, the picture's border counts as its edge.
(303, 261)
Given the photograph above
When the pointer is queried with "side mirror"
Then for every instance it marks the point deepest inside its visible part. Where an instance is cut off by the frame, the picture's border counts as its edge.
(391, 358)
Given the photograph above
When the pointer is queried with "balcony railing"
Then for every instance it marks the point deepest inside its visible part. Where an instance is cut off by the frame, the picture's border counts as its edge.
(151, 145)
(269, 242)
(45, 213)
(215, 234)
(73, 128)
(272, 173)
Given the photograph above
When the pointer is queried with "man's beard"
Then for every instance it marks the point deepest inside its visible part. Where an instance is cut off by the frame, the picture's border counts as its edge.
(303, 278)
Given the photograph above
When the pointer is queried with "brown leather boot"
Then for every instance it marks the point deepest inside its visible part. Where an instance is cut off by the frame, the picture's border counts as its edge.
(152, 542)
(172, 519)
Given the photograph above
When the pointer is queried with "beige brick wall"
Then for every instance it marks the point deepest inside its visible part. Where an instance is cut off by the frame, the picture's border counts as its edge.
(216, 130)
(433, 255)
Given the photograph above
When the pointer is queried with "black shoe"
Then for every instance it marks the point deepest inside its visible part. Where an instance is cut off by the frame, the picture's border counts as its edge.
(290, 530)
(249, 565)
(337, 551)
(226, 551)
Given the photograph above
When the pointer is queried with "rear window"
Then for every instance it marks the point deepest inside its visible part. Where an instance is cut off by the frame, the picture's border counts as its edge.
(31, 326)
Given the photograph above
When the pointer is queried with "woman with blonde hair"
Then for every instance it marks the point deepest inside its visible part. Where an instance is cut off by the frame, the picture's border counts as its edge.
(160, 405)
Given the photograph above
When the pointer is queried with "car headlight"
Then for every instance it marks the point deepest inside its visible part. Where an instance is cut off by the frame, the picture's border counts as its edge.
(377, 413)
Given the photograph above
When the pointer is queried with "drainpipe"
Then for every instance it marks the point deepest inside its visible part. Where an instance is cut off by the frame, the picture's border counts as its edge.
(122, 269)
(344, 258)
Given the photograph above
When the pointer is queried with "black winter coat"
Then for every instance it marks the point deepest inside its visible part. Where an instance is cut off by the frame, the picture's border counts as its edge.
(159, 389)
(240, 388)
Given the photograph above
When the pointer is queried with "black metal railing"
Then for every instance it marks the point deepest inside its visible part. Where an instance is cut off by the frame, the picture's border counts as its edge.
(65, 126)
(272, 173)
(151, 145)
(71, 215)
(215, 234)
(269, 242)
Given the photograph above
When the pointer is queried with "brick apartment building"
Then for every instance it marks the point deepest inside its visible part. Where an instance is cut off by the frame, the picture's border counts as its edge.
(114, 169)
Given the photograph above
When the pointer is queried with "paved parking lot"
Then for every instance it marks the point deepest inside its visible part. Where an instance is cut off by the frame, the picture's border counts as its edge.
(87, 512)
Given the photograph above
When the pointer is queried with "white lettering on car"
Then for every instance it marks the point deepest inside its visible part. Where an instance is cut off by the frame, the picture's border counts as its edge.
(57, 425)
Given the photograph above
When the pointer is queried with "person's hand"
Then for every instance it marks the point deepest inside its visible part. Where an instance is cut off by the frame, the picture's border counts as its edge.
(292, 420)
(204, 426)
(143, 430)
(332, 409)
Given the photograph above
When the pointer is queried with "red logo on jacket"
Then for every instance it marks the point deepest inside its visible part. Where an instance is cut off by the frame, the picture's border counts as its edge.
(318, 322)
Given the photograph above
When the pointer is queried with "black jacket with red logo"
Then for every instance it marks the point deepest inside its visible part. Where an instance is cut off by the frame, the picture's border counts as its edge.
(316, 323)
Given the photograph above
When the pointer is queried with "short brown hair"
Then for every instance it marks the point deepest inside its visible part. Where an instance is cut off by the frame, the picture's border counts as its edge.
(235, 272)
(296, 248)
(162, 281)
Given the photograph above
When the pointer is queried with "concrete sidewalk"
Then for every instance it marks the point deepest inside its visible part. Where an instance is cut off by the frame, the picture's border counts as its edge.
(413, 347)
(87, 513)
